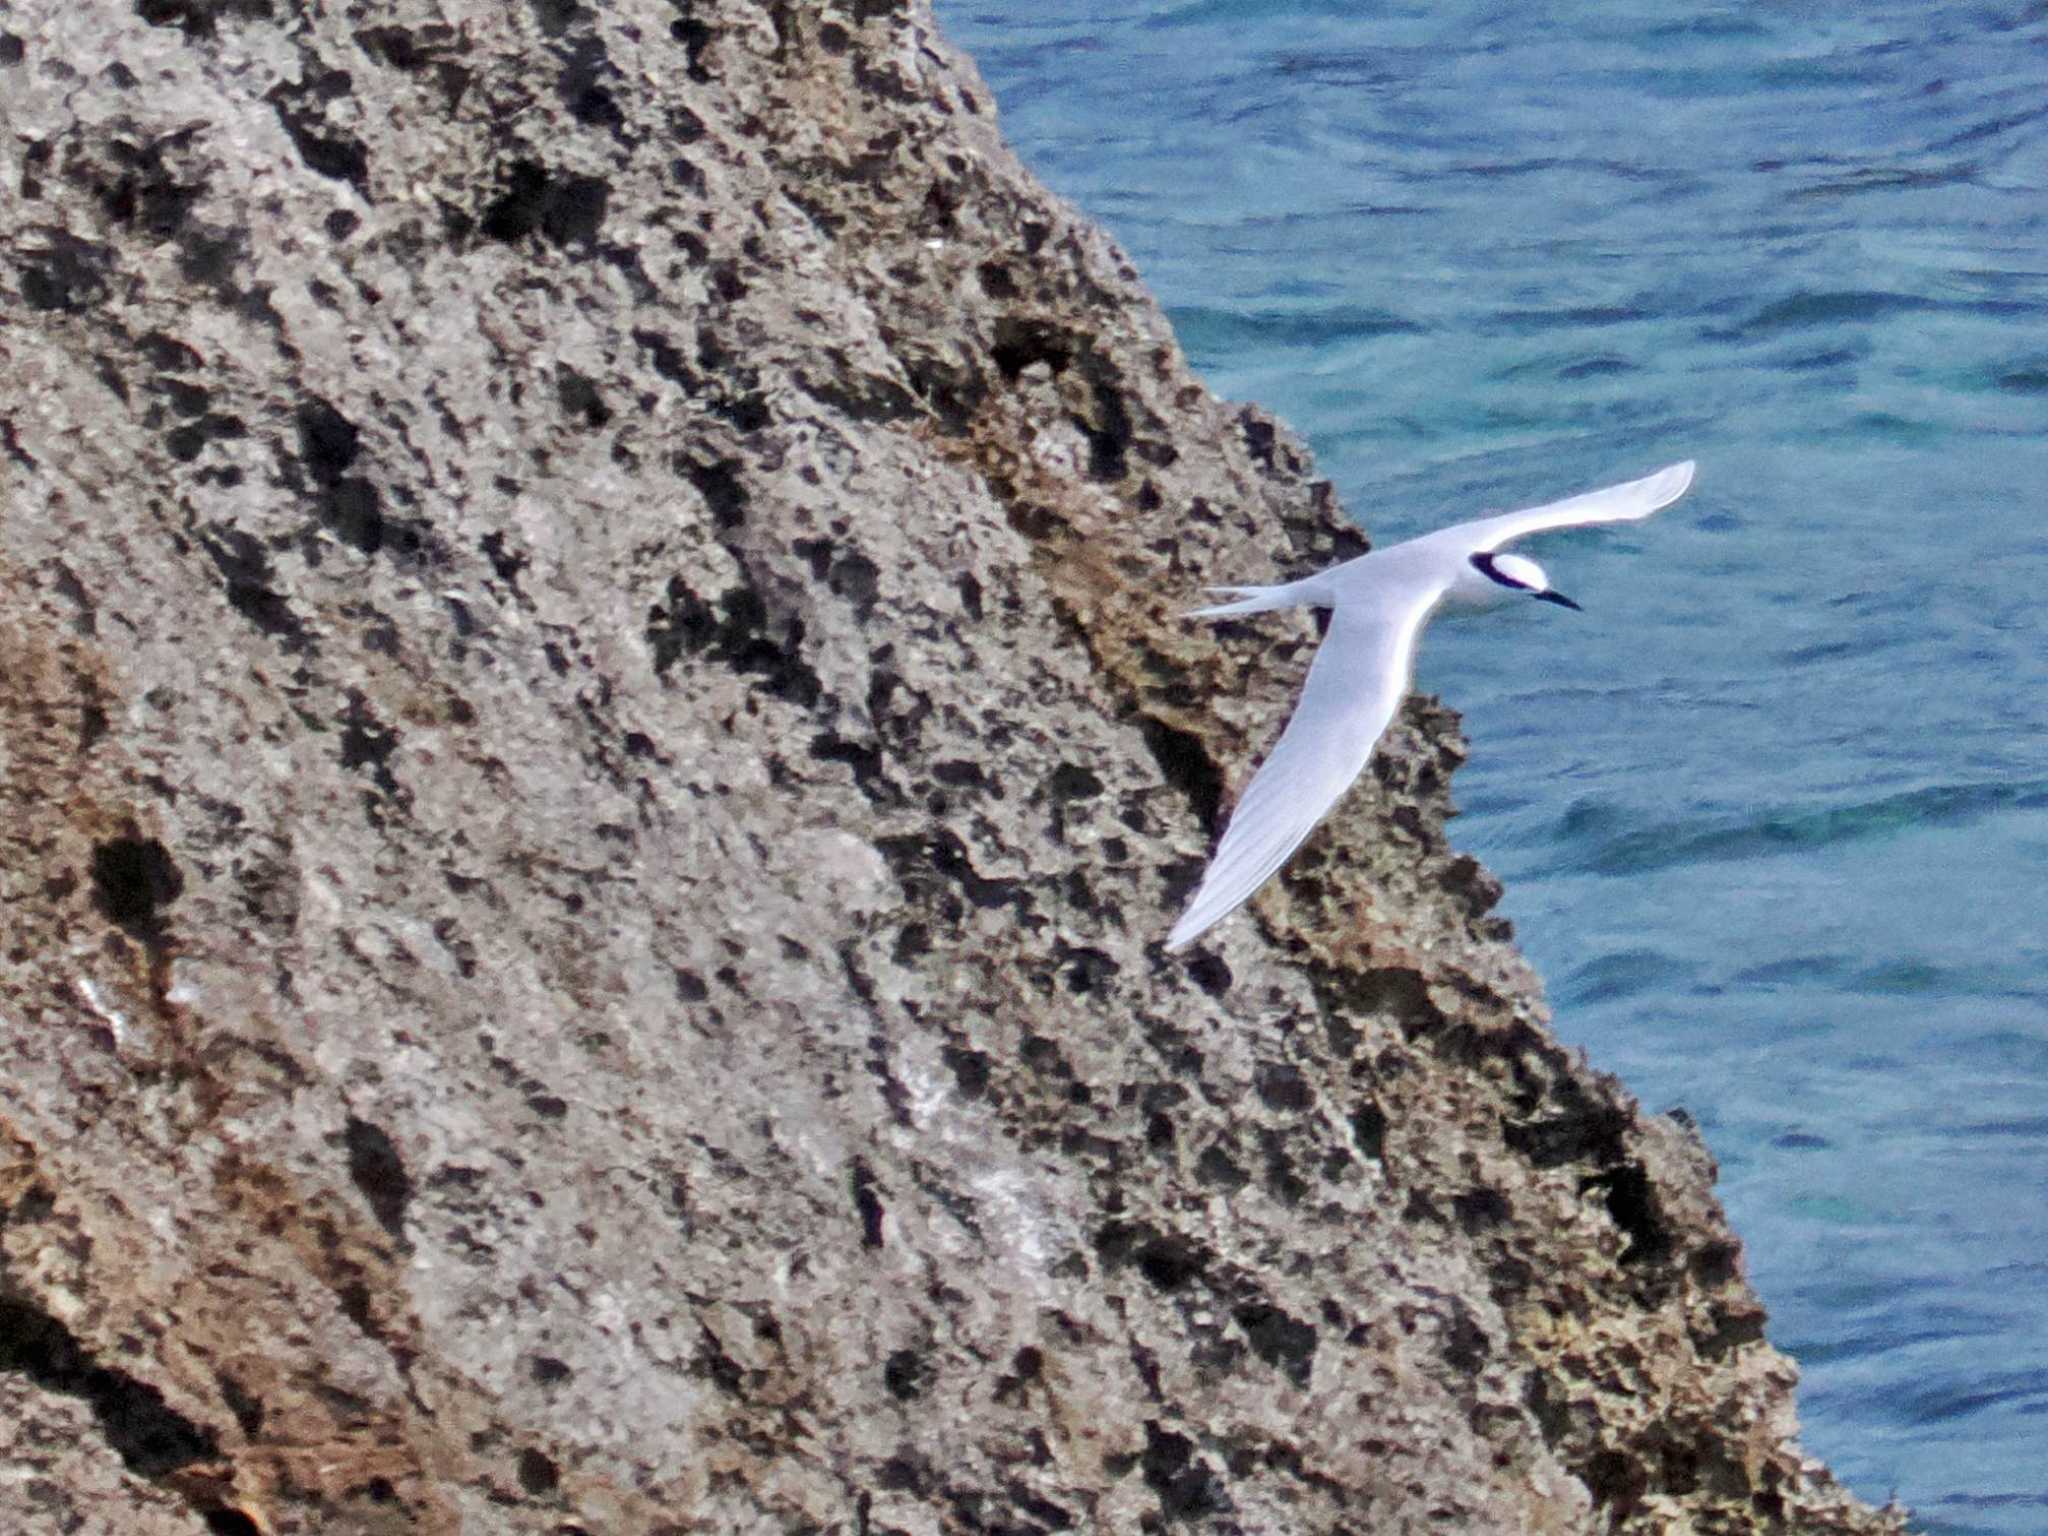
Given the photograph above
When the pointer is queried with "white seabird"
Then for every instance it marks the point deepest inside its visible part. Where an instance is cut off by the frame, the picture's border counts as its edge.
(1381, 602)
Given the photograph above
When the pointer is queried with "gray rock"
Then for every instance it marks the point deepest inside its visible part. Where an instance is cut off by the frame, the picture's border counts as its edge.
(594, 759)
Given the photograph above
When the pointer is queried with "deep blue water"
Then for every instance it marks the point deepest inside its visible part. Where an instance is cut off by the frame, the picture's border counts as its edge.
(1774, 811)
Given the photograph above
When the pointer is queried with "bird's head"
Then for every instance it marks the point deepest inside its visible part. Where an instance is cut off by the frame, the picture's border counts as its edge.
(1516, 574)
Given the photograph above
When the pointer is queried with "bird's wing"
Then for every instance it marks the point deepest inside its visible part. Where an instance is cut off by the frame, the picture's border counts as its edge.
(1354, 686)
(1617, 504)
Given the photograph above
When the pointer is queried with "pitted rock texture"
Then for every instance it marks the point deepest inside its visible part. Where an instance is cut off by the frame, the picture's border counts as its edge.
(594, 758)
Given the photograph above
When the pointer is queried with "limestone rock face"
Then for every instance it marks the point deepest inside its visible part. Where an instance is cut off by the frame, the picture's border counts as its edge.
(594, 758)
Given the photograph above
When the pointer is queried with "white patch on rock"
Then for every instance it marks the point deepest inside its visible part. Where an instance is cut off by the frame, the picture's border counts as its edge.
(114, 1018)
(838, 871)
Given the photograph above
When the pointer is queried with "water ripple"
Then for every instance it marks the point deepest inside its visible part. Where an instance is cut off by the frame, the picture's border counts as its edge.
(1205, 331)
(1934, 1403)
(1992, 128)
(1876, 178)
(1804, 310)
(1532, 321)
(1780, 832)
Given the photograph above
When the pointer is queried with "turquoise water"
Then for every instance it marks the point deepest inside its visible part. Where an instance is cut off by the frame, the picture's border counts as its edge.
(1774, 810)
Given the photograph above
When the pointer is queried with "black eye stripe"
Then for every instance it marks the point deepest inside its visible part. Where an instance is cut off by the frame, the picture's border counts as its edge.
(1483, 564)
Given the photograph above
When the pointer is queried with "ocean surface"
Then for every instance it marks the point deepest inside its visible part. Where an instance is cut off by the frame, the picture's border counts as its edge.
(1773, 812)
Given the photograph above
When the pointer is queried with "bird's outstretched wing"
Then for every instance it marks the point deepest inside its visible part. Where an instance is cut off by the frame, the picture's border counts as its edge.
(1617, 504)
(1354, 686)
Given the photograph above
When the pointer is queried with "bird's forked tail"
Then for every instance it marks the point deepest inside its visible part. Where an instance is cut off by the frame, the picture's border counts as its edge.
(1292, 594)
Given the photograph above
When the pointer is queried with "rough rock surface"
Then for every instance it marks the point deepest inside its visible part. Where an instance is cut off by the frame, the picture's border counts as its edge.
(593, 761)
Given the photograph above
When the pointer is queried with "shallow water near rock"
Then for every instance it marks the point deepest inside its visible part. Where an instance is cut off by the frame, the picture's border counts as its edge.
(1773, 811)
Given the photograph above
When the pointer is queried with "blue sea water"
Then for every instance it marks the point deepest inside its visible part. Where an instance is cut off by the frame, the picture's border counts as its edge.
(1773, 812)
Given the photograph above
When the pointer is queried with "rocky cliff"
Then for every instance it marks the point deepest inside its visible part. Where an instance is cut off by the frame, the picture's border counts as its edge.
(595, 757)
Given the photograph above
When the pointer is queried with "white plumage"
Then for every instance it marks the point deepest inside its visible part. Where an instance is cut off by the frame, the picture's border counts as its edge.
(1381, 601)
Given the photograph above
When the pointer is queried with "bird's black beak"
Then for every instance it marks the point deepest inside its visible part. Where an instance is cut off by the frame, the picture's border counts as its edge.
(1560, 599)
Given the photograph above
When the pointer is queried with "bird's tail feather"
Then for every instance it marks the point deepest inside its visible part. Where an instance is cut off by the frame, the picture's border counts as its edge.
(1253, 600)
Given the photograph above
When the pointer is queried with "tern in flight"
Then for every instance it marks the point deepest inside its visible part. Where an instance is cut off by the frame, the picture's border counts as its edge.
(1380, 603)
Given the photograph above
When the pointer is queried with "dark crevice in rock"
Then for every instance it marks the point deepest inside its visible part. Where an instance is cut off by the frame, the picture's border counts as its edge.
(367, 742)
(1283, 1088)
(1480, 1209)
(1188, 1489)
(350, 506)
(1047, 1515)
(737, 636)
(1369, 1130)
(862, 397)
(1715, 1264)
(187, 441)
(1087, 969)
(142, 181)
(1632, 1202)
(326, 151)
(1021, 343)
(865, 759)
(1617, 1483)
(1207, 970)
(379, 1172)
(1285, 1343)
(952, 392)
(584, 89)
(200, 19)
(64, 274)
(1281, 1180)
(581, 397)
(666, 359)
(866, 1203)
(1732, 1328)
(719, 484)
(1166, 1260)
(10, 440)
(904, 1374)
(1259, 436)
(1466, 1346)
(1552, 1415)
(1185, 764)
(1109, 431)
(696, 36)
(1395, 993)
(1221, 1170)
(565, 210)
(538, 1474)
(916, 859)
(351, 510)
(683, 626)
(508, 563)
(167, 354)
(152, 1439)
(856, 579)
(134, 880)
(1073, 781)
(1476, 887)
(418, 50)
(251, 585)
(970, 1068)
(1585, 1131)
